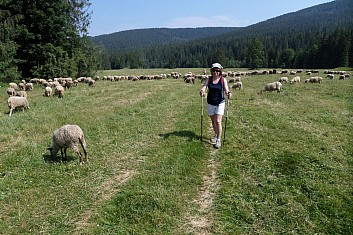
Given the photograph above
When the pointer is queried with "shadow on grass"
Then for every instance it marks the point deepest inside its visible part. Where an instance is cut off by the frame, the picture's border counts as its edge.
(185, 134)
(50, 159)
(289, 163)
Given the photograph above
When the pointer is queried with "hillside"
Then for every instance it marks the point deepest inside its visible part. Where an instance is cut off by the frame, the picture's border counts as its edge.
(324, 16)
(142, 38)
(317, 37)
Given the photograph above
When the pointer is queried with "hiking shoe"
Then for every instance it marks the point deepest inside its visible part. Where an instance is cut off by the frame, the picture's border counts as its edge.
(218, 144)
(213, 140)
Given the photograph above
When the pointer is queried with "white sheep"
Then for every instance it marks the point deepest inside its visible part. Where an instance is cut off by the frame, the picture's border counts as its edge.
(59, 91)
(237, 85)
(296, 79)
(283, 79)
(234, 79)
(21, 86)
(68, 136)
(13, 85)
(48, 91)
(315, 79)
(190, 80)
(29, 86)
(330, 76)
(273, 86)
(21, 94)
(342, 77)
(14, 102)
(11, 91)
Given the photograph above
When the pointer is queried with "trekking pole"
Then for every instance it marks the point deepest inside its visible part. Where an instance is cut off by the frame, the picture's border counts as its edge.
(225, 123)
(201, 115)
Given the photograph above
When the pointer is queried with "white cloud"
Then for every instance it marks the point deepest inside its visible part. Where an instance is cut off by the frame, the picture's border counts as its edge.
(210, 21)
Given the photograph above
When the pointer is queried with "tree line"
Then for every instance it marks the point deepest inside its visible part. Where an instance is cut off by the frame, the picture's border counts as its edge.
(45, 39)
(315, 37)
(300, 50)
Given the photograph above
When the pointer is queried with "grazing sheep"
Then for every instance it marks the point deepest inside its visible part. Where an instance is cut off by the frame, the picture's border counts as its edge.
(237, 85)
(13, 85)
(14, 102)
(273, 86)
(48, 91)
(283, 79)
(10, 91)
(91, 82)
(234, 80)
(330, 76)
(68, 136)
(342, 77)
(190, 80)
(59, 91)
(21, 94)
(315, 80)
(21, 86)
(29, 86)
(296, 79)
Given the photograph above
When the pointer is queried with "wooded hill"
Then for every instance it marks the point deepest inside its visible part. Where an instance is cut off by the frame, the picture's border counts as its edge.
(141, 38)
(316, 37)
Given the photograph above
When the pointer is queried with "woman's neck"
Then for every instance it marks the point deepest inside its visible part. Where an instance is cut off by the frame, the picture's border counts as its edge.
(216, 77)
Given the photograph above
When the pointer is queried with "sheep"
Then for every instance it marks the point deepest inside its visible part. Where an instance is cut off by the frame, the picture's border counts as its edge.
(14, 102)
(235, 79)
(283, 79)
(29, 86)
(13, 85)
(295, 80)
(21, 94)
(273, 86)
(59, 91)
(10, 91)
(68, 136)
(190, 80)
(342, 77)
(21, 86)
(237, 85)
(315, 80)
(48, 91)
(330, 76)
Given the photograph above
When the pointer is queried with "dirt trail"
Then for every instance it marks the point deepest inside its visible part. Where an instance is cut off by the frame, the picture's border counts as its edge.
(201, 221)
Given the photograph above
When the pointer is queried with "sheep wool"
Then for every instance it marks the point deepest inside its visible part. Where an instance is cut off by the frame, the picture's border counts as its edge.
(14, 102)
(68, 136)
(59, 91)
(273, 86)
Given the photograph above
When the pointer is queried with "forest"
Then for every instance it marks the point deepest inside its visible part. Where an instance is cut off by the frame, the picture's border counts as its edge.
(315, 37)
(45, 39)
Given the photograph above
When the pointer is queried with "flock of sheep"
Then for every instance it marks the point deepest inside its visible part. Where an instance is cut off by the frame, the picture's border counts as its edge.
(71, 136)
(68, 136)
(235, 78)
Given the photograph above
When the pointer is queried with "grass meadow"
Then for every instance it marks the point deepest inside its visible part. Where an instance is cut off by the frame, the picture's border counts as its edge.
(285, 167)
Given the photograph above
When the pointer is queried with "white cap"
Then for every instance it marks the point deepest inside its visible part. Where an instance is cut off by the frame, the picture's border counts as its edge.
(217, 65)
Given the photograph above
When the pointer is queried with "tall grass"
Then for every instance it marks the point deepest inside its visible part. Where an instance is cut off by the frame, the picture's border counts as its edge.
(286, 166)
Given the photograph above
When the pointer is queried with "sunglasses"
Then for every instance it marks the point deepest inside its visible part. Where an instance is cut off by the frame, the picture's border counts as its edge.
(216, 70)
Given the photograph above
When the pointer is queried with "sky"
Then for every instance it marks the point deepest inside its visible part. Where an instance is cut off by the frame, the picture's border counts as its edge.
(110, 16)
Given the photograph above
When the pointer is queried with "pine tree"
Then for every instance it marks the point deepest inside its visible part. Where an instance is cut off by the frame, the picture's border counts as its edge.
(8, 25)
(51, 38)
(256, 54)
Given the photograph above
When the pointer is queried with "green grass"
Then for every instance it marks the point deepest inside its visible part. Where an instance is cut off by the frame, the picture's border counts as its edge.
(285, 168)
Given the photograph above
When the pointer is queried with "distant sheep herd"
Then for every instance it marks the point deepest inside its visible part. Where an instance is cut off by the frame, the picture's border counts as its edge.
(70, 136)
(57, 86)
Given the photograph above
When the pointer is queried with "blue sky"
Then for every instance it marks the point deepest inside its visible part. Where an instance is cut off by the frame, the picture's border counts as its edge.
(110, 16)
